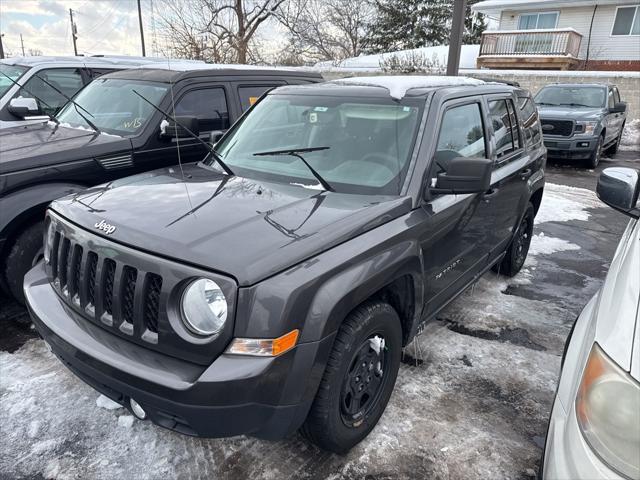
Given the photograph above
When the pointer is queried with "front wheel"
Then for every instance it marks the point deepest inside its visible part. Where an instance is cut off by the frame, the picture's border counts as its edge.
(519, 248)
(358, 379)
(596, 155)
(23, 256)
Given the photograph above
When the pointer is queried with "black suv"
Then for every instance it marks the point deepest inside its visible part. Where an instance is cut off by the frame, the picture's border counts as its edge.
(39, 163)
(280, 295)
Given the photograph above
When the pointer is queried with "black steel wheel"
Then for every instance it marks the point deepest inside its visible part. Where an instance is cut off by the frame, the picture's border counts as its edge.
(517, 252)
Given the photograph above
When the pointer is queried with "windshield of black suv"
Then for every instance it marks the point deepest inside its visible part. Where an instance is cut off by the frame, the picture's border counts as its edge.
(574, 96)
(357, 145)
(113, 105)
(14, 72)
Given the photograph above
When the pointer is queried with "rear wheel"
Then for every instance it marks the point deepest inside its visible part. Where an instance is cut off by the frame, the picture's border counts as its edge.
(358, 379)
(596, 155)
(519, 248)
(26, 251)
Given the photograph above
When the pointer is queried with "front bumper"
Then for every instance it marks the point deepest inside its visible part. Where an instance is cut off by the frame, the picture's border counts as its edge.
(265, 397)
(578, 148)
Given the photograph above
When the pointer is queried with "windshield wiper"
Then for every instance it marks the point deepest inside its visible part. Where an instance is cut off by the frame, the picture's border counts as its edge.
(296, 153)
(209, 147)
(576, 105)
(550, 104)
(51, 117)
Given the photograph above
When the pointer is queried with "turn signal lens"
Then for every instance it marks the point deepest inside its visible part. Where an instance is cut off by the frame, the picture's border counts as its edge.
(608, 413)
(264, 347)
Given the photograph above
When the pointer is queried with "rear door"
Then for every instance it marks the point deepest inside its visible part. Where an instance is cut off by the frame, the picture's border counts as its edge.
(512, 169)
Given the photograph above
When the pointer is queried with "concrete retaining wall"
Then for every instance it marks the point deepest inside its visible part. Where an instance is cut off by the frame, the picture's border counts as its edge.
(628, 82)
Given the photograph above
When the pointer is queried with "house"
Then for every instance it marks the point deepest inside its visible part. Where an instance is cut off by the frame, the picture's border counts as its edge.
(561, 34)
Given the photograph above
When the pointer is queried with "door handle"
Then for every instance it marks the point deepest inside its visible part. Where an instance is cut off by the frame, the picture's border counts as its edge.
(489, 194)
(524, 174)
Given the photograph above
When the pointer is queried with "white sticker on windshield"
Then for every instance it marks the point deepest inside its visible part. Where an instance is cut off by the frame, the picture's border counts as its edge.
(321, 109)
(406, 109)
(313, 117)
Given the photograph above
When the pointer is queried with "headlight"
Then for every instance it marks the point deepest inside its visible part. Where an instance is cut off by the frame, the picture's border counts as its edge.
(608, 412)
(586, 128)
(204, 307)
(48, 241)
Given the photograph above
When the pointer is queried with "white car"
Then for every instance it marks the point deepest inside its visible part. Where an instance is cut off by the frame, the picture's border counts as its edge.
(30, 86)
(594, 430)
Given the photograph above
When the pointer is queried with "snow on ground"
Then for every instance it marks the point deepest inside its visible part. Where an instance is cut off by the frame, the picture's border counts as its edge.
(471, 400)
(631, 136)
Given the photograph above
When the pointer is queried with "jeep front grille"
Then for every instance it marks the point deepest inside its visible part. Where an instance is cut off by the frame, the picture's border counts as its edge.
(563, 128)
(90, 281)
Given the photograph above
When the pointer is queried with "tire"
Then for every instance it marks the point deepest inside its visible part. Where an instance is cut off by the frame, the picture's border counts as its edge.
(596, 155)
(338, 420)
(613, 149)
(23, 255)
(519, 247)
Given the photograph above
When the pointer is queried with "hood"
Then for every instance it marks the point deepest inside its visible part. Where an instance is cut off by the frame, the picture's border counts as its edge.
(245, 228)
(570, 113)
(617, 329)
(42, 144)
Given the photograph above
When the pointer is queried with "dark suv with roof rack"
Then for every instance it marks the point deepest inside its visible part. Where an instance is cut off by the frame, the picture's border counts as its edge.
(273, 285)
(39, 163)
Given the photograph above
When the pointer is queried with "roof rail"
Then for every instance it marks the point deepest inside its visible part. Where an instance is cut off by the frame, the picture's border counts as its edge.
(513, 83)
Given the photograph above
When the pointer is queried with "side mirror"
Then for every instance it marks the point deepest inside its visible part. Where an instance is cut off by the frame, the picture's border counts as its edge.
(214, 137)
(24, 107)
(465, 175)
(170, 129)
(619, 107)
(619, 188)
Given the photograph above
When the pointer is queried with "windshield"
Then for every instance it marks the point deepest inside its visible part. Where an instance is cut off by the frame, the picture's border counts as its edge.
(14, 72)
(114, 107)
(356, 145)
(572, 96)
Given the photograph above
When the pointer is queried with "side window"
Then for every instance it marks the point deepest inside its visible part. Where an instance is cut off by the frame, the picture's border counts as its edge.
(461, 135)
(66, 80)
(505, 127)
(610, 100)
(250, 94)
(208, 105)
(530, 121)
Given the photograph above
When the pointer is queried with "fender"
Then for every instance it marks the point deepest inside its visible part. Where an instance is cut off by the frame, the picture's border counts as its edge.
(26, 202)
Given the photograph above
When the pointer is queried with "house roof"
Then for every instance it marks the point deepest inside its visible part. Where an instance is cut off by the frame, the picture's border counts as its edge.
(494, 7)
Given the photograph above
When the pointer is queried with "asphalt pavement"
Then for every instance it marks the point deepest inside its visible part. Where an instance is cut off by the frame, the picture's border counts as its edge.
(472, 398)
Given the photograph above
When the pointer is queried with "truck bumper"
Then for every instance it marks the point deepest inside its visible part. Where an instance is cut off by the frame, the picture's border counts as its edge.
(224, 399)
(571, 148)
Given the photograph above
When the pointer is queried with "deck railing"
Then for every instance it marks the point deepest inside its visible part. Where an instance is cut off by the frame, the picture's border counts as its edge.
(556, 42)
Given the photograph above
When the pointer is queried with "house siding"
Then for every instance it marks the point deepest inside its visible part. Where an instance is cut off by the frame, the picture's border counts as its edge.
(604, 47)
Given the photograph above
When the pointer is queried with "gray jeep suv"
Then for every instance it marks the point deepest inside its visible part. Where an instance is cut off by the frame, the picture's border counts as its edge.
(580, 121)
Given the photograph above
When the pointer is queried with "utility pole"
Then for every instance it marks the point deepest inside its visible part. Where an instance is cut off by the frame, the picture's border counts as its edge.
(1, 47)
(22, 43)
(141, 31)
(455, 41)
(74, 33)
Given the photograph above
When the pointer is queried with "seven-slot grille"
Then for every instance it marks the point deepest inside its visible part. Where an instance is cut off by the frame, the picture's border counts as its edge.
(562, 128)
(106, 290)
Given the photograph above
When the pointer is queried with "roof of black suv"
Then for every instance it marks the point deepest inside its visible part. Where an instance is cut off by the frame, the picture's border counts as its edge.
(395, 86)
(179, 71)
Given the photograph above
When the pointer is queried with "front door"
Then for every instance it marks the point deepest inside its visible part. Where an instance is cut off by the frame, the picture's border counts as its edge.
(454, 232)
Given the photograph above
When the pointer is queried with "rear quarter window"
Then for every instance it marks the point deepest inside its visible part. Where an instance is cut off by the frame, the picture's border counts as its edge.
(530, 120)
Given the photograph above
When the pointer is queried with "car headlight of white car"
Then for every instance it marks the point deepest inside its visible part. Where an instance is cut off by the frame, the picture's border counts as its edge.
(586, 128)
(608, 413)
(204, 307)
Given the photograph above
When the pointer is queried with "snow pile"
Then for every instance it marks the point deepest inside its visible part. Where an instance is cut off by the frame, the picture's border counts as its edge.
(561, 203)
(439, 55)
(399, 85)
(543, 245)
(631, 136)
(107, 403)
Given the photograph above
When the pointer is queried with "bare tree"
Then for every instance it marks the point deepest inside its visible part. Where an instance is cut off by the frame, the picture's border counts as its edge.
(214, 30)
(326, 29)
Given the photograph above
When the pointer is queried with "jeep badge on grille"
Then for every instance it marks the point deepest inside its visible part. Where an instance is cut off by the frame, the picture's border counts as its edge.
(105, 227)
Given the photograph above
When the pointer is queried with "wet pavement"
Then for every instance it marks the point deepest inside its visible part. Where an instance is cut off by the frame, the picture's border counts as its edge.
(471, 401)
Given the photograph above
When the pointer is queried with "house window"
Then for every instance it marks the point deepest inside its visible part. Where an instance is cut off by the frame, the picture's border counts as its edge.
(531, 21)
(627, 21)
